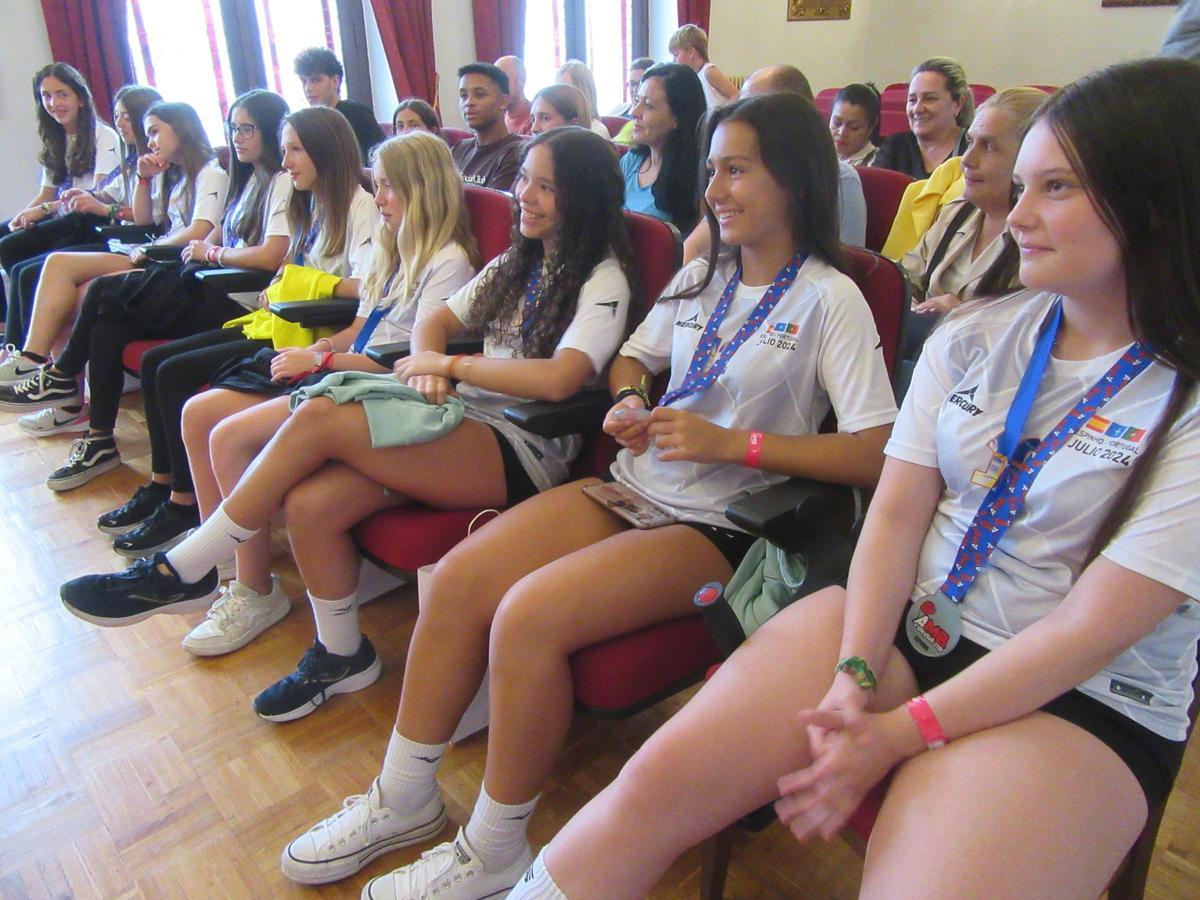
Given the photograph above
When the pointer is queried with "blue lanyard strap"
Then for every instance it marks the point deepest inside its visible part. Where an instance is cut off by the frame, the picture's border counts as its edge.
(533, 293)
(1006, 499)
(374, 318)
(710, 359)
(307, 244)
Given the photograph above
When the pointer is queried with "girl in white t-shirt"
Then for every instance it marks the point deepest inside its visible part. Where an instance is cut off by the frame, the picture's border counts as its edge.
(1063, 707)
(560, 572)
(423, 252)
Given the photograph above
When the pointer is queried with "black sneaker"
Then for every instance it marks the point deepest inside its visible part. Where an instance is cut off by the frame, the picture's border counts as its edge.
(135, 510)
(166, 527)
(90, 457)
(39, 390)
(318, 677)
(148, 587)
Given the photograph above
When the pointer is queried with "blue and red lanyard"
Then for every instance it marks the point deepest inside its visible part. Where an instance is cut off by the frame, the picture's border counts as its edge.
(710, 359)
(307, 244)
(374, 317)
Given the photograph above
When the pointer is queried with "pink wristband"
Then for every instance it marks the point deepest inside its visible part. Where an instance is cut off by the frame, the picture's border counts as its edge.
(927, 722)
(754, 449)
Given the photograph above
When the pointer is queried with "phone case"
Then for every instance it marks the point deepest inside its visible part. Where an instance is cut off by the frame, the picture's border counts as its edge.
(629, 505)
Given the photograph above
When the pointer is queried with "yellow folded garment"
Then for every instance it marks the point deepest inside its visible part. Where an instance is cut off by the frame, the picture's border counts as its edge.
(297, 283)
(922, 202)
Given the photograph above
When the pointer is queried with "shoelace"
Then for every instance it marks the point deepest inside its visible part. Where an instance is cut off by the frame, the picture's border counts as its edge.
(30, 384)
(79, 449)
(227, 607)
(353, 803)
(312, 660)
(432, 867)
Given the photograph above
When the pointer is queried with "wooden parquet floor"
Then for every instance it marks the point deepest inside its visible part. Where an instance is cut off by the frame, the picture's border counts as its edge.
(129, 769)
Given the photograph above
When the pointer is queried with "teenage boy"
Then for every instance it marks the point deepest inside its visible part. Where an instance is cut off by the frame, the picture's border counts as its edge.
(689, 47)
(321, 76)
(492, 156)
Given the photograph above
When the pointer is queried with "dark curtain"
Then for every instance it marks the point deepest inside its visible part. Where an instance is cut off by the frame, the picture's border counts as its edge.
(90, 35)
(693, 12)
(406, 27)
(499, 28)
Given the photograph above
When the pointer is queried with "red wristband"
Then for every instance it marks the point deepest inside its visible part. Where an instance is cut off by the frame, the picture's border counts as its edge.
(754, 449)
(927, 723)
(326, 361)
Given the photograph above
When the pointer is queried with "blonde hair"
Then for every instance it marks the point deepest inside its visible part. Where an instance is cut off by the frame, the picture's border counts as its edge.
(578, 75)
(1019, 102)
(692, 36)
(419, 167)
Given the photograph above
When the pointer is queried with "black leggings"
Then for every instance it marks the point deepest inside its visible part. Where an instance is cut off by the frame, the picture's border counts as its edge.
(172, 374)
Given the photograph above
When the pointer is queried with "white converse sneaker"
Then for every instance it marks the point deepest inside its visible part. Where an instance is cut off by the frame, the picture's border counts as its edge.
(361, 830)
(237, 617)
(449, 871)
(46, 422)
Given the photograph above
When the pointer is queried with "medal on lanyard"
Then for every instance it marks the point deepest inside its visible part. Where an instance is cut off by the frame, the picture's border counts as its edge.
(710, 358)
(533, 293)
(933, 623)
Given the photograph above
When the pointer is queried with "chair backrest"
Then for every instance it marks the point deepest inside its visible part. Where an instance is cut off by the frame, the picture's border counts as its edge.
(824, 106)
(894, 96)
(887, 292)
(614, 124)
(981, 92)
(892, 121)
(454, 136)
(491, 219)
(222, 153)
(883, 190)
(1046, 88)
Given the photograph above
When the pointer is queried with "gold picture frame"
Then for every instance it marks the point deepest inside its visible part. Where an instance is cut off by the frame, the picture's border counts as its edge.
(1104, 3)
(817, 10)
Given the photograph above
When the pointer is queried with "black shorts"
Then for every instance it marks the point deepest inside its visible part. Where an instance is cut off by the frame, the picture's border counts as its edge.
(1153, 759)
(732, 544)
(518, 485)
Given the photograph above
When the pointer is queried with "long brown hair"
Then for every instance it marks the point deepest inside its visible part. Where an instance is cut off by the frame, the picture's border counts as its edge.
(81, 158)
(329, 141)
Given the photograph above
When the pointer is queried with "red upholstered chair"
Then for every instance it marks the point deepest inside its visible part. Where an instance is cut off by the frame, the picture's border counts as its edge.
(892, 121)
(824, 100)
(454, 136)
(894, 96)
(981, 92)
(1047, 88)
(491, 219)
(614, 124)
(883, 189)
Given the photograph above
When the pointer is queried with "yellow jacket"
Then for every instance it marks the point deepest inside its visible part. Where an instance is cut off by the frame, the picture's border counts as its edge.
(921, 203)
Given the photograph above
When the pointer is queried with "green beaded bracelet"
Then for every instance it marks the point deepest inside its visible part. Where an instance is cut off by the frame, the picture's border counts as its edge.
(860, 669)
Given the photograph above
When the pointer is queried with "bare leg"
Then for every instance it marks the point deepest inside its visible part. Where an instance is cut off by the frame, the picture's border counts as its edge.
(717, 759)
(57, 293)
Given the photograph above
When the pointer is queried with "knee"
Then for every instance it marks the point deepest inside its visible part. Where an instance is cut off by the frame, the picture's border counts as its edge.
(458, 594)
(306, 506)
(524, 628)
(200, 417)
(227, 445)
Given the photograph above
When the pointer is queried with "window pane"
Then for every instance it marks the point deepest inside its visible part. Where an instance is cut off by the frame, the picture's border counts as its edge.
(285, 27)
(608, 50)
(189, 71)
(544, 43)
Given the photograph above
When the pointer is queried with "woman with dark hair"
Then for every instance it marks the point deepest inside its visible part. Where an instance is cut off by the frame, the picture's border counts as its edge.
(560, 571)
(415, 114)
(1049, 704)
(854, 123)
(557, 105)
(940, 108)
(78, 152)
(660, 170)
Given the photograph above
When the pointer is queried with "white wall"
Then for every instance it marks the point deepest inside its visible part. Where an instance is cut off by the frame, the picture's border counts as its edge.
(26, 49)
(1000, 42)
(453, 46)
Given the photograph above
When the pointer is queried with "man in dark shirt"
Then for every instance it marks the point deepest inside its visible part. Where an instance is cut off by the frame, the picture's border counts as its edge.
(321, 75)
(492, 156)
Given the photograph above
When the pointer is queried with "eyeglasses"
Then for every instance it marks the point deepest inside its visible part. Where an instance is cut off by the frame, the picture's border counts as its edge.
(244, 131)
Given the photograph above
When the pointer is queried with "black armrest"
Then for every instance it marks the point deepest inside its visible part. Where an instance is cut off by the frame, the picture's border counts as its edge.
(220, 283)
(163, 253)
(582, 412)
(387, 354)
(314, 313)
(127, 234)
(798, 514)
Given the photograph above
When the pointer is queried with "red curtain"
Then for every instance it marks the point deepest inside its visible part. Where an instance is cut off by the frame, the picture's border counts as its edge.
(90, 35)
(499, 28)
(693, 12)
(406, 27)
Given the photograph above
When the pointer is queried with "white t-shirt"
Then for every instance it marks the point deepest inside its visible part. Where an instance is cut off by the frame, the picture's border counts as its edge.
(817, 350)
(448, 270)
(596, 330)
(274, 210)
(960, 394)
(212, 183)
(108, 157)
(355, 258)
(117, 185)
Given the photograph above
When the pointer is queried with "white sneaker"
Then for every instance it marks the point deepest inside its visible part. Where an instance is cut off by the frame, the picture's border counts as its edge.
(237, 617)
(46, 422)
(449, 871)
(361, 830)
(15, 366)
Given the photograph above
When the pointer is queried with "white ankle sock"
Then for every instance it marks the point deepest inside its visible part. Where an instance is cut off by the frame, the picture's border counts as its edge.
(213, 543)
(537, 883)
(409, 777)
(337, 624)
(496, 831)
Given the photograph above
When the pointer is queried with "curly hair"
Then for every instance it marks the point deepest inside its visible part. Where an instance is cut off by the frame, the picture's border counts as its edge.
(62, 158)
(590, 193)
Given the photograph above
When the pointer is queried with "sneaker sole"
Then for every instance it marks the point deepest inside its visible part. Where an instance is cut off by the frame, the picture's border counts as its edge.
(173, 609)
(197, 649)
(344, 868)
(69, 484)
(349, 685)
(150, 551)
(69, 428)
(35, 405)
(503, 892)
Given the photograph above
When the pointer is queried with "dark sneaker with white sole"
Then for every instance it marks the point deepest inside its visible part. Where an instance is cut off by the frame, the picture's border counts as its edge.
(90, 457)
(145, 500)
(162, 530)
(145, 589)
(319, 676)
(39, 390)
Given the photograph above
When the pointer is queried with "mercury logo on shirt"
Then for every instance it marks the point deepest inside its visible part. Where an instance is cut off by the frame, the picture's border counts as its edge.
(965, 400)
(692, 323)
